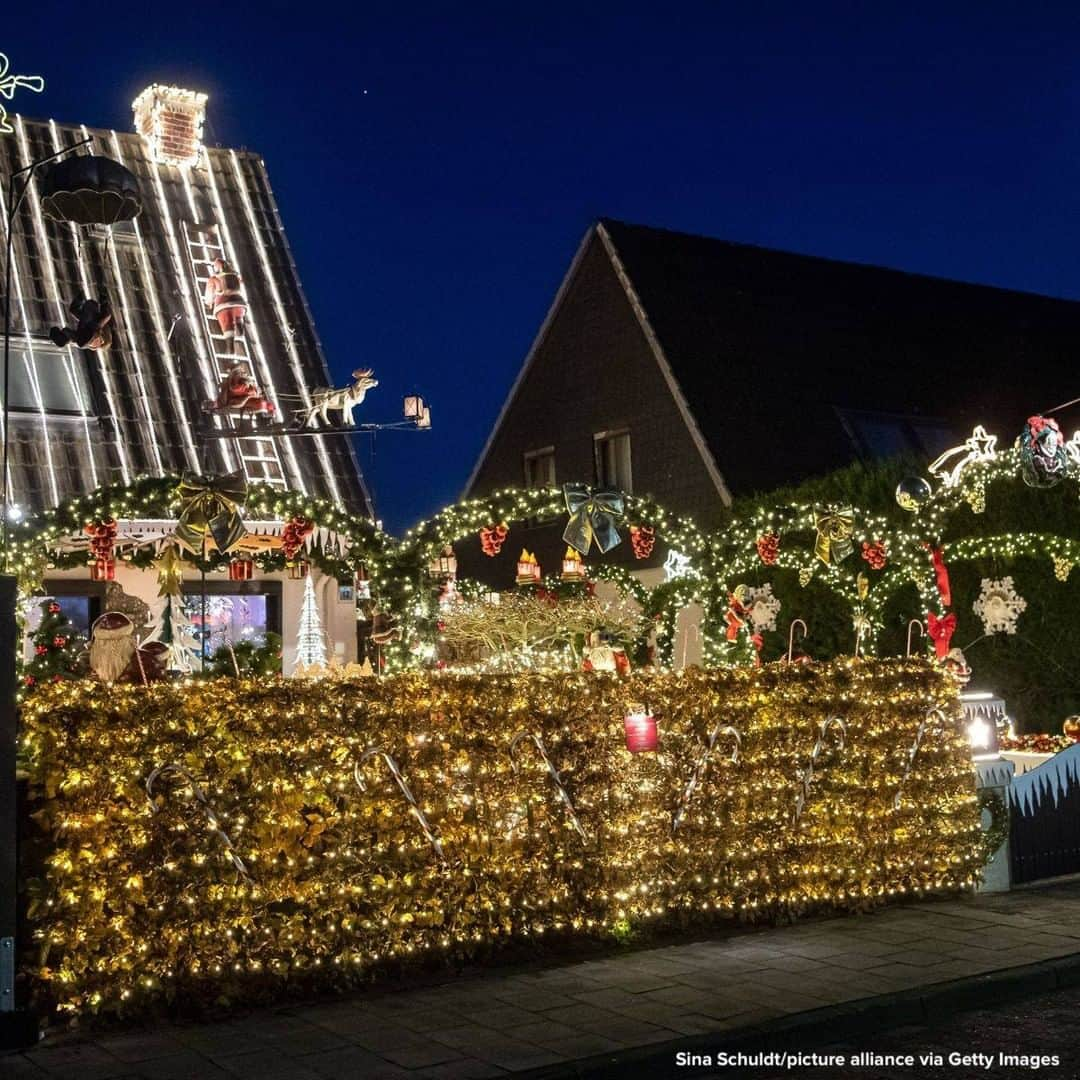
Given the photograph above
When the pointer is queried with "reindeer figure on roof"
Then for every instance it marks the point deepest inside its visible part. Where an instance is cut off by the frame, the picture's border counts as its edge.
(343, 401)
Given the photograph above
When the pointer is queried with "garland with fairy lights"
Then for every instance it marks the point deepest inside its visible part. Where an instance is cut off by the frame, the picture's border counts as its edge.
(864, 560)
(33, 542)
(453, 837)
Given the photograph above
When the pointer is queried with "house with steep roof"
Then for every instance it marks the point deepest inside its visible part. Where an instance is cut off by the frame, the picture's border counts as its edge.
(696, 370)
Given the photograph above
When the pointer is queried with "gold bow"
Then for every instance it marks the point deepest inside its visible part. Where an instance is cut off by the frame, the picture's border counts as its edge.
(834, 529)
(209, 509)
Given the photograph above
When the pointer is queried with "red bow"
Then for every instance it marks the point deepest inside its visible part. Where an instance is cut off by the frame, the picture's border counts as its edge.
(941, 632)
(941, 573)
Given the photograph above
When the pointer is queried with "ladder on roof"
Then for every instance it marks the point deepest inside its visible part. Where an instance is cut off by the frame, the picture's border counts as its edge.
(258, 454)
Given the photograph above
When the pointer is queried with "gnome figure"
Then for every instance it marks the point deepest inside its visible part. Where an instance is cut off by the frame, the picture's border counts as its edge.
(93, 329)
(112, 646)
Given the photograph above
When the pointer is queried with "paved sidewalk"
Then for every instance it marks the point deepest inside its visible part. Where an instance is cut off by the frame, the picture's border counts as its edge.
(502, 1021)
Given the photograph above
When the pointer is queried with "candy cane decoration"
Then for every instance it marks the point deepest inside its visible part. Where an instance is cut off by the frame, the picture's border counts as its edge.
(557, 780)
(414, 807)
(911, 626)
(807, 777)
(699, 769)
(933, 714)
(172, 769)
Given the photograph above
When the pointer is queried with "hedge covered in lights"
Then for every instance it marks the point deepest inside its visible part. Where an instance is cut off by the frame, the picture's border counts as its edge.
(130, 906)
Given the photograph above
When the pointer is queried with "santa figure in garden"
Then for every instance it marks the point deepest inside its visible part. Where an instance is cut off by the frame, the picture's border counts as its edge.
(224, 298)
(93, 329)
(604, 654)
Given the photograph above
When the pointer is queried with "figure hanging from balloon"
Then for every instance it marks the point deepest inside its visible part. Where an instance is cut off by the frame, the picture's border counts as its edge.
(239, 393)
(224, 297)
(93, 325)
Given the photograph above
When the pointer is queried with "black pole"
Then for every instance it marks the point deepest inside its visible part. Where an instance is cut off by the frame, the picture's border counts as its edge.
(13, 205)
(18, 1025)
(204, 636)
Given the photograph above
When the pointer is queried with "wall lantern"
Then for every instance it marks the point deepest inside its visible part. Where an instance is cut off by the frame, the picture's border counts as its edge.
(641, 730)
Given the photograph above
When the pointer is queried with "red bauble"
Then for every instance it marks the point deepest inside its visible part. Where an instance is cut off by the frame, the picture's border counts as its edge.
(874, 554)
(768, 548)
(54, 608)
(642, 539)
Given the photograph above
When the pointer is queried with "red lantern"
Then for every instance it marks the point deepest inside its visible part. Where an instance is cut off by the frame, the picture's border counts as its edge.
(641, 730)
(103, 570)
(241, 569)
(298, 570)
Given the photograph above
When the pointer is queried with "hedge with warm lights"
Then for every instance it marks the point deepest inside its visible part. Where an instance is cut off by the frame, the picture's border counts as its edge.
(129, 907)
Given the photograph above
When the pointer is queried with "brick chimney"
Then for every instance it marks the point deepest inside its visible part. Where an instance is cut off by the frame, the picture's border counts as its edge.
(172, 119)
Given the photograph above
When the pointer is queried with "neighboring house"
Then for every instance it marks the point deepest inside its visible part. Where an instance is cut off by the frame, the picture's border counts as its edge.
(695, 370)
(82, 419)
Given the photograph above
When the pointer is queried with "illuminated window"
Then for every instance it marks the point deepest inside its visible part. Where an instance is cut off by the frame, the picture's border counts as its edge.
(540, 468)
(611, 454)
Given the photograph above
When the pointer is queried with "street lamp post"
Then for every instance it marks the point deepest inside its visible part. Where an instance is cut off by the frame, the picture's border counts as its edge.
(14, 201)
(18, 1026)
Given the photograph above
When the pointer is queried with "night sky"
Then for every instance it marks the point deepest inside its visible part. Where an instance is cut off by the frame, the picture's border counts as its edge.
(437, 165)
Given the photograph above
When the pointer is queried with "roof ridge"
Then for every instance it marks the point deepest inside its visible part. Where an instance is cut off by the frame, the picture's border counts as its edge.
(828, 260)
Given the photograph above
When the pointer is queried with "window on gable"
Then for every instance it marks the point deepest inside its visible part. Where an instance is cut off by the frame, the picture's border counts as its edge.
(883, 435)
(611, 455)
(540, 468)
(47, 379)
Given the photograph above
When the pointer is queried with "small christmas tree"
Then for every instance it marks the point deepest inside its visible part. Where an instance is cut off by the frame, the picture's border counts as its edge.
(58, 649)
(170, 624)
(310, 646)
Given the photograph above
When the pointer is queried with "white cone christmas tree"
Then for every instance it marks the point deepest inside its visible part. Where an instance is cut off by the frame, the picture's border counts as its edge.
(170, 624)
(310, 645)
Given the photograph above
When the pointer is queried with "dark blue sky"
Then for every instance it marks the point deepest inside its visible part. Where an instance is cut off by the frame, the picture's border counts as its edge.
(436, 165)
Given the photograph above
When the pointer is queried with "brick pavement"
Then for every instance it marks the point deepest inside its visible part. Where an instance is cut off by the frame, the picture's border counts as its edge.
(502, 1021)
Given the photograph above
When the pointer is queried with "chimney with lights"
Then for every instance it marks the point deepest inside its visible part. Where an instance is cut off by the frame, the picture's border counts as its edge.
(172, 119)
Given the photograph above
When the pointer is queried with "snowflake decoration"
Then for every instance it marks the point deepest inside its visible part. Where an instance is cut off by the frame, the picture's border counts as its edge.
(998, 605)
(762, 607)
(9, 84)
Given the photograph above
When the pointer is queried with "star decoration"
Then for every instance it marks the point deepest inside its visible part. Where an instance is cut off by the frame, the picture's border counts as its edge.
(978, 447)
(676, 565)
(1072, 448)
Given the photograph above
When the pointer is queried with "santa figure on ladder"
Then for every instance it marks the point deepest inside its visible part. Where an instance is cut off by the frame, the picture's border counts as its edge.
(224, 297)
